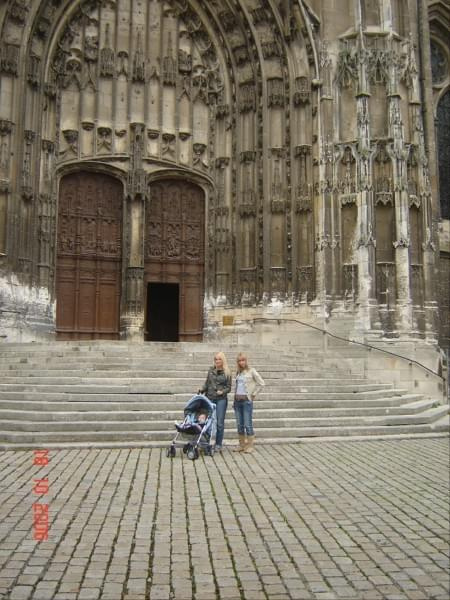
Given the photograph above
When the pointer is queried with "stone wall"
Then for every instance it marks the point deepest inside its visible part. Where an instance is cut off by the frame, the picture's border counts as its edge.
(302, 122)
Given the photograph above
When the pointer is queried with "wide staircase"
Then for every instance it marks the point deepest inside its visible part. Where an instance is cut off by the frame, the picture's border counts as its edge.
(112, 394)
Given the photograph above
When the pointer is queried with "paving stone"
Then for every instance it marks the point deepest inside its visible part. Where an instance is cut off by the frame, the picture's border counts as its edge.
(340, 520)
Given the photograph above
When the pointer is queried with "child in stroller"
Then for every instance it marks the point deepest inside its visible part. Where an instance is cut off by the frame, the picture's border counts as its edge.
(194, 422)
(199, 426)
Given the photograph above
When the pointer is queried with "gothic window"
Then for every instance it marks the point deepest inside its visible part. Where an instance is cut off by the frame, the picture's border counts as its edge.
(439, 63)
(443, 144)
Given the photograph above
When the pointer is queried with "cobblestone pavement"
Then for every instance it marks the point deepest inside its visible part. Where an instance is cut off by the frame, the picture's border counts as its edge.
(325, 520)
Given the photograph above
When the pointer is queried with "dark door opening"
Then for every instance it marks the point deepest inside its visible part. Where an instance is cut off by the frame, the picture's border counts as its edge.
(163, 312)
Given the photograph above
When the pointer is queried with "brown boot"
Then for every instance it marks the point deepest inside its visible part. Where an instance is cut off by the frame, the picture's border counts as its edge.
(249, 447)
(242, 444)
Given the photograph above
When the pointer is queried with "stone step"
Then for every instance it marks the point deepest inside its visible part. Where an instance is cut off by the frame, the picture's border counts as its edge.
(165, 436)
(380, 397)
(171, 413)
(114, 393)
(281, 383)
(260, 424)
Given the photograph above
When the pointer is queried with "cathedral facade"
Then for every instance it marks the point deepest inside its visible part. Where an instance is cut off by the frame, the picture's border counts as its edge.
(174, 168)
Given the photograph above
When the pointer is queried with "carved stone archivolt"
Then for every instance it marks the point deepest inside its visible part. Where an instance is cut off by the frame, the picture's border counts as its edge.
(312, 151)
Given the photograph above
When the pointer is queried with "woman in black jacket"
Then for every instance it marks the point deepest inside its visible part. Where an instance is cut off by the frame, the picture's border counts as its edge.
(216, 388)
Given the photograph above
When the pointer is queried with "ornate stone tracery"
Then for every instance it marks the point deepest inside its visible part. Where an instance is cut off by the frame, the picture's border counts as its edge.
(303, 146)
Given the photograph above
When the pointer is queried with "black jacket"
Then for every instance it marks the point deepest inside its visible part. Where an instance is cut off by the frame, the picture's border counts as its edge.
(216, 381)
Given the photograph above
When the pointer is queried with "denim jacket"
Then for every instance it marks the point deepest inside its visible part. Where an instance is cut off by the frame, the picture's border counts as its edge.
(253, 382)
(216, 381)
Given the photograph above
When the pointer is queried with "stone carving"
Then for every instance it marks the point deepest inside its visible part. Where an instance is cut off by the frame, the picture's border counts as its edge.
(350, 281)
(71, 137)
(48, 148)
(324, 241)
(72, 72)
(305, 283)
(9, 58)
(139, 62)
(275, 92)
(169, 67)
(34, 70)
(247, 156)
(45, 20)
(19, 11)
(277, 204)
(347, 185)
(27, 189)
(184, 61)
(277, 280)
(377, 63)
(402, 242)
(247, 98)
(367, 239)
(259, 15)
(199, 151)
(302, 91)
(5, 127)
(200, 84)
(407, 64)
(5, 155)
(107, 57)
(227, 19)
(122, 64)
(270, 46)
(104, 139)
(222, 111)
(347, 65)
(90, 48)
(168, 144)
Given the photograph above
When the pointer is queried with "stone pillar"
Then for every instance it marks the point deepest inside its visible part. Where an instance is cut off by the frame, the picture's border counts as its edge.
(398, 151)
(133, 313)
(364, 152)
(323, 188)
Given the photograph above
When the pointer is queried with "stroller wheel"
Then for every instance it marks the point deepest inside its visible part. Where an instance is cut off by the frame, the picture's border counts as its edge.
(186, 448)
(171, 451)
(209, 450)
(192, 453)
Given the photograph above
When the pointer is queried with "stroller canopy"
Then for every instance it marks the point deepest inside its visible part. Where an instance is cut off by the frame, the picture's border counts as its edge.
(199, 401)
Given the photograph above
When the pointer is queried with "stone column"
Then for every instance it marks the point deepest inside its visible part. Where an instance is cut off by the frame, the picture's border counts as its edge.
(133, 312)
(398, 151)
(364, 153)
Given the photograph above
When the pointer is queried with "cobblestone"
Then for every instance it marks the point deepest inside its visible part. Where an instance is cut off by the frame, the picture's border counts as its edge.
(356, 520)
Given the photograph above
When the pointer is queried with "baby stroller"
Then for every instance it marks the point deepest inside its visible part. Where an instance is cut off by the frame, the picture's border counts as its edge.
(199, 435)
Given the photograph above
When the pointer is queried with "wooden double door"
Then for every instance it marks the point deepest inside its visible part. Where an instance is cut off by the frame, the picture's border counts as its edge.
(89, 259)
(174, 261)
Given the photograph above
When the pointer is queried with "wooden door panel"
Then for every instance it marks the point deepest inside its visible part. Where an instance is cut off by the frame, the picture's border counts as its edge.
(86, 321)
(174, 248)
(65, 307)
(88, 273)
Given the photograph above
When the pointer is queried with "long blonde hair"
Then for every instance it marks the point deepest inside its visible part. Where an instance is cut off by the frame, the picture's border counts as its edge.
(226, 368)
(239, 369)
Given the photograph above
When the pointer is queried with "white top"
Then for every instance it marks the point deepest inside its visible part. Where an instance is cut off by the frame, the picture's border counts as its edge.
(240, 385)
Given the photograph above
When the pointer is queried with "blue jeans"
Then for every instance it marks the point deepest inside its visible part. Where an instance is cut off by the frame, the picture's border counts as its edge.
(221, 409)
(243, 409)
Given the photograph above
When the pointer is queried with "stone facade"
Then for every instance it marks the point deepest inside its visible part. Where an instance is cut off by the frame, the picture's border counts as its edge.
(302, 126)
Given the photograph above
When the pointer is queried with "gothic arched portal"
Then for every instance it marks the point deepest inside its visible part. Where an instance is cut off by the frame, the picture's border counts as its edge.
(89, 257)
(174, 261)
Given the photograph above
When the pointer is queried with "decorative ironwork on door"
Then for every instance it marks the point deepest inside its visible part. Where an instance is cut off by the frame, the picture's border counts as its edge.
(174, 249)
(89, 253)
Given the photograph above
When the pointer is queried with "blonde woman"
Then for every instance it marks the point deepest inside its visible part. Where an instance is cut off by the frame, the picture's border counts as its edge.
(216, 388)
(248, 385)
